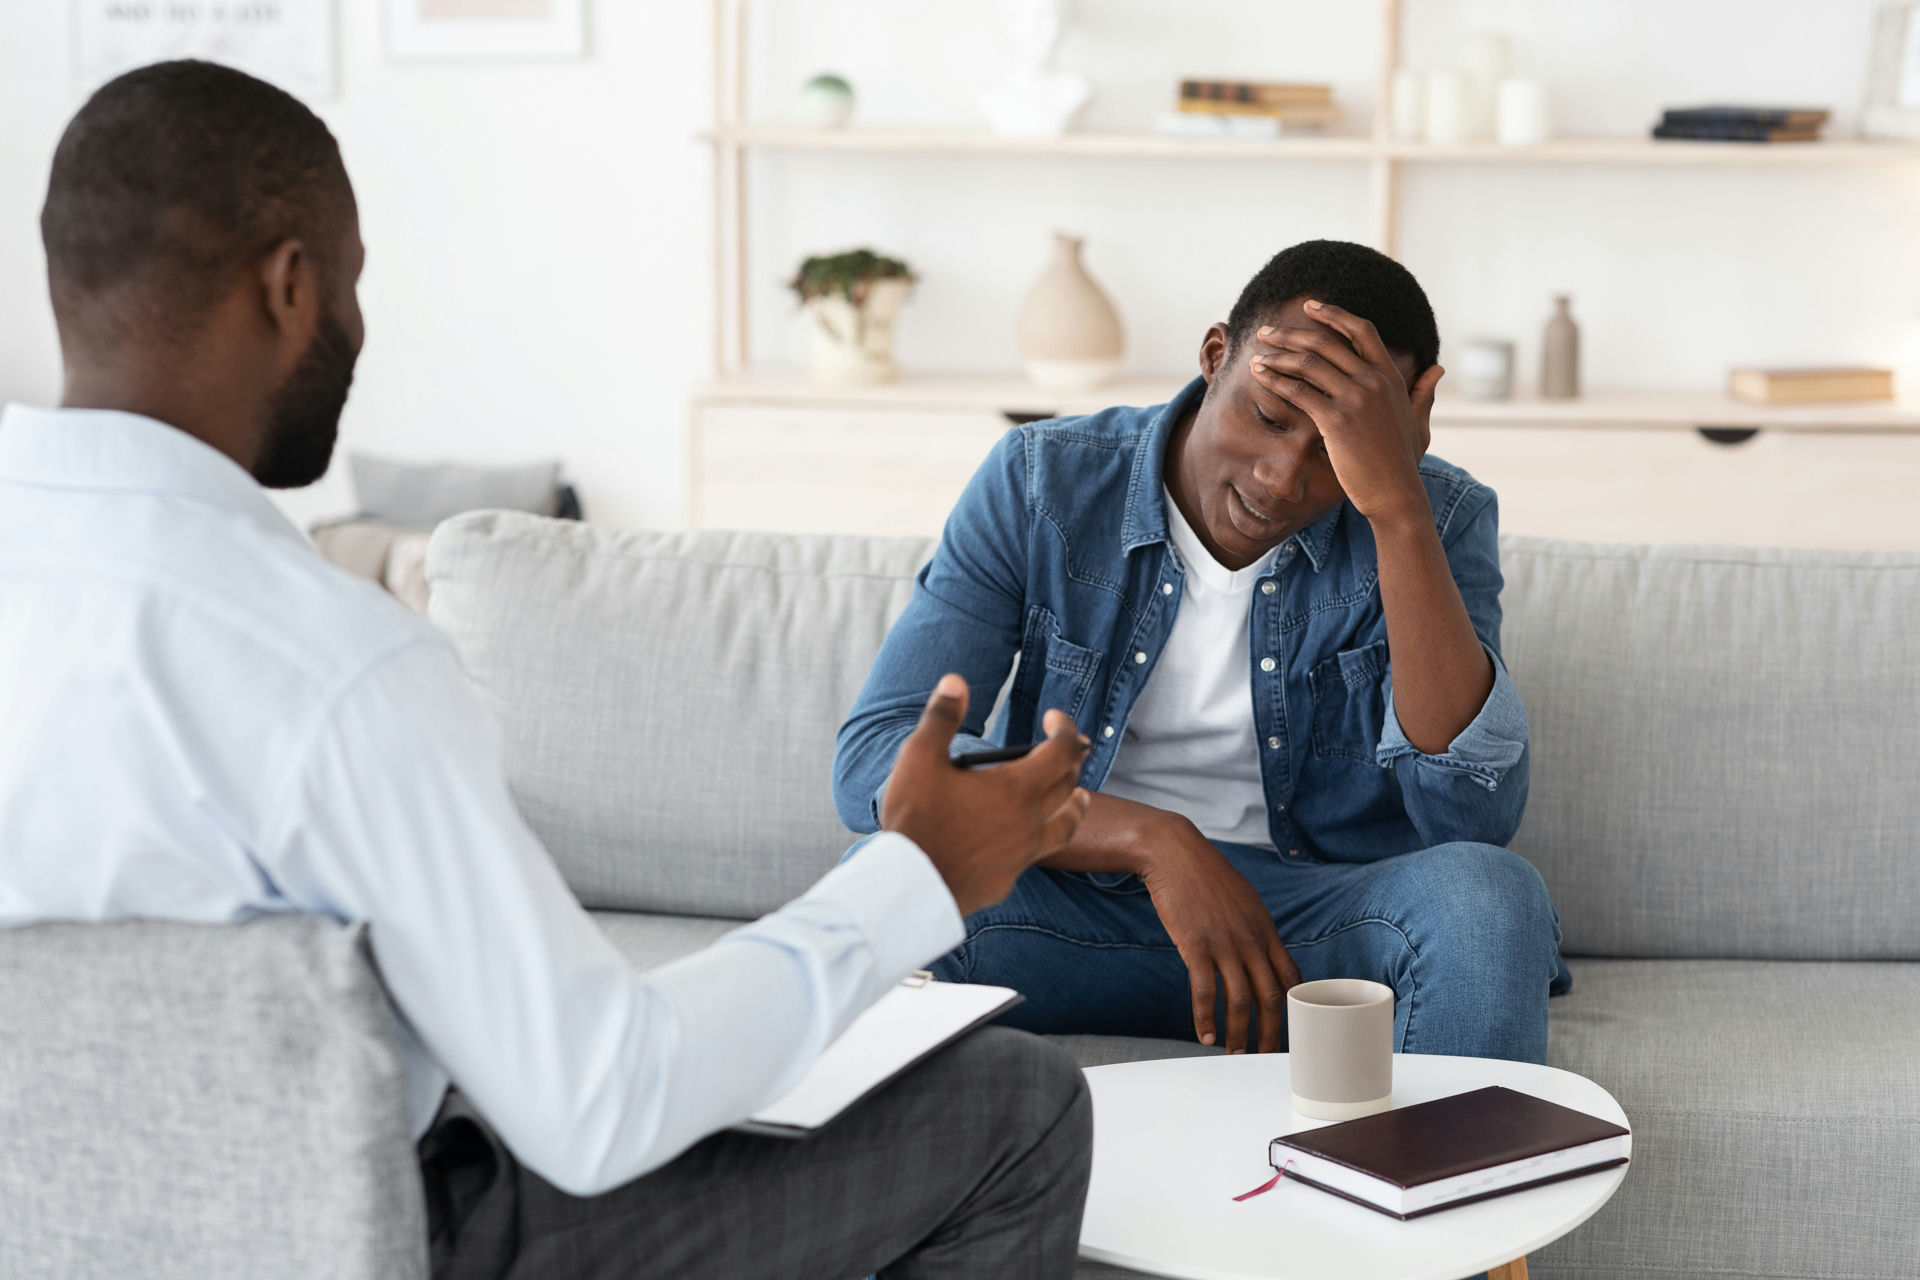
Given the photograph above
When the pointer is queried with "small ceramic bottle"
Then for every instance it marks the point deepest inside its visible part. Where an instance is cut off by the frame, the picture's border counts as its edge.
(1560, 354)
(1070, 335)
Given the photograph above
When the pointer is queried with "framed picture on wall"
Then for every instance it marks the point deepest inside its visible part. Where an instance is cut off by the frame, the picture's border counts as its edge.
(486, 28)
(1893, 76)
(288, 42)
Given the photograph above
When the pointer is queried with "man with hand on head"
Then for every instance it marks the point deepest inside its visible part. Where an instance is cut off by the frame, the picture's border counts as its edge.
(200, 720)
(1279, 621)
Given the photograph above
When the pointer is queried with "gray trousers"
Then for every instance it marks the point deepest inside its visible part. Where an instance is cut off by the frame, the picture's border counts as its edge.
(973, 1164)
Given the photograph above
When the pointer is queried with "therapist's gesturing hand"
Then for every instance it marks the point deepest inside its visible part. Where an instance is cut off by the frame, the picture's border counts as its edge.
(982, 827)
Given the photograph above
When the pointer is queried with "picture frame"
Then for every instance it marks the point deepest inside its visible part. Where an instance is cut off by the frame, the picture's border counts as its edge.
(289, 43)
(1892, 109)
(438, 30)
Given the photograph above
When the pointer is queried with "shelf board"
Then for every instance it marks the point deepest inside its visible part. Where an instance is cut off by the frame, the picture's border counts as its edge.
(1148, 146)
(1658, 152)
(1683, 410)
(1144, 146)
(980, 392)
(1636, 409)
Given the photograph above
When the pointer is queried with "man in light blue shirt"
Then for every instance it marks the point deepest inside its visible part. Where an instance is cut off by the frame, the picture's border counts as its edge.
(200, 720)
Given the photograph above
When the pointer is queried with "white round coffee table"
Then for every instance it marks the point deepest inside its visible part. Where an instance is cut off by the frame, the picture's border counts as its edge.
(1174, 1141)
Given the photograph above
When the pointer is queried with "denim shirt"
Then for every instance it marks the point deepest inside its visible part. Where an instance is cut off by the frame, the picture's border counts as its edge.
(1058, 553)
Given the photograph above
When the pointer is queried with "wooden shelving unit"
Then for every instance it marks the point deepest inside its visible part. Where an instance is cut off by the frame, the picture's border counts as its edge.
(733, 137)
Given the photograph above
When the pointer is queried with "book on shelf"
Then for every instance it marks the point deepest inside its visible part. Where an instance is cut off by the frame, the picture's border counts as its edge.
(1452, 1151)
(1769, 117)
(1810, 386)
(1256, 93)
(1294, 105)
(1742, 124)
(1734, 133)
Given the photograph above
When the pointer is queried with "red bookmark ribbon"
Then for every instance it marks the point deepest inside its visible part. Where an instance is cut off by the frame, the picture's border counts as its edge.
(1268, 1185)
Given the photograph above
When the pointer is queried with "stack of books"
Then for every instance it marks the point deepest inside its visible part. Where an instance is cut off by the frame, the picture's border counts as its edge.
(1250, 108)
(1742, 124)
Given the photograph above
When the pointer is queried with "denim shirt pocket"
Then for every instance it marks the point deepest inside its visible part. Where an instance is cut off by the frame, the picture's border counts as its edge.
(1054, 671)
(1350, 703)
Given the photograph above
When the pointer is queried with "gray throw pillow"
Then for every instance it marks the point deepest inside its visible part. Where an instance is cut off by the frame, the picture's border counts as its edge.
(421, 495)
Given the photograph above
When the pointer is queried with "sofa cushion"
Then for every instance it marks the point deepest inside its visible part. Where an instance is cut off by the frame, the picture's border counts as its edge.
(670, 699)
(1722, 747)
(1775, 1109)
(201, 1102)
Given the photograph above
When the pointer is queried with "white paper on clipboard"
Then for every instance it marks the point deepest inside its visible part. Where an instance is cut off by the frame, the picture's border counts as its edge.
(916, 1018)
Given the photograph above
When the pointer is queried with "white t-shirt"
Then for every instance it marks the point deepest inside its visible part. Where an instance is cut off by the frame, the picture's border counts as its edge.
(1189, 746)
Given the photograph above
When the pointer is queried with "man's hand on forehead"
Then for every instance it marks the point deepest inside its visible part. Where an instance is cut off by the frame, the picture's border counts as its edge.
(1339, 373)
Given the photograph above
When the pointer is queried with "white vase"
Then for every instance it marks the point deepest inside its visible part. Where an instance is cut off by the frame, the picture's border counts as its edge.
(853, 345)
(1070, 335)
(1034, 99)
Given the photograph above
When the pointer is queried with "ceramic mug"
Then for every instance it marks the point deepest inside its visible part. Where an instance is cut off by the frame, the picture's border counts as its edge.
(1340, 1048)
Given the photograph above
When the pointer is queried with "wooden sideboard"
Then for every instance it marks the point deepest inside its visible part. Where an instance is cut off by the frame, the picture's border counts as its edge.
(772, 452)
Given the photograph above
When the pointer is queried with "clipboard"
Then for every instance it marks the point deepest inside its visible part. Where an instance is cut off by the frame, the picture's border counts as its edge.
(915, 1020)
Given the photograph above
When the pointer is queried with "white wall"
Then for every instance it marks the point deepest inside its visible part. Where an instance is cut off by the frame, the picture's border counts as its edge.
(537, 246)
(538, 239)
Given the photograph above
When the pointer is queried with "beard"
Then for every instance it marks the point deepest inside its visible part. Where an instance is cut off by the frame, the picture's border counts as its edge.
(304, 420)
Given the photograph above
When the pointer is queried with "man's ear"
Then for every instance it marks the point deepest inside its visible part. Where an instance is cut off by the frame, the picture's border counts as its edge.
(1213, 351)
(290, 297)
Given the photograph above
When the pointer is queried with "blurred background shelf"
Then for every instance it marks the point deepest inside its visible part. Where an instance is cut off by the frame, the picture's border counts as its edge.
(769, 449)
(1149, 146)
(1010, 395)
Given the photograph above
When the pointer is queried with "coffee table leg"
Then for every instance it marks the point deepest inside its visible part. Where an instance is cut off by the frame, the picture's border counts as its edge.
(1515, 1270)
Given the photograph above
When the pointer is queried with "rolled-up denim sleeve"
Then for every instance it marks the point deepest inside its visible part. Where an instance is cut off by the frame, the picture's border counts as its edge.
(965, 616)
(1476, 789)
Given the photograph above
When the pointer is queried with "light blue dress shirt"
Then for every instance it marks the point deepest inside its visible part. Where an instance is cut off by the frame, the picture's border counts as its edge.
(200, 720)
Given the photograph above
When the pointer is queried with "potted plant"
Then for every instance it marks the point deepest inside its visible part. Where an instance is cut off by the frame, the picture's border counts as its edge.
(853, 299)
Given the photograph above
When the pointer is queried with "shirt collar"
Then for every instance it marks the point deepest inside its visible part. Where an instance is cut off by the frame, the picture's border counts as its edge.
(1146, 517)
(105, 449)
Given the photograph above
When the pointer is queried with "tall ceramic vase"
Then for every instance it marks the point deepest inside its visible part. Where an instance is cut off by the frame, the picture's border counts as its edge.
(853, 342)
(1070, 335)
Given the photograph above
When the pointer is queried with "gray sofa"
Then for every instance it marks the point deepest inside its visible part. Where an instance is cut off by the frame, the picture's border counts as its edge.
(1723, 806)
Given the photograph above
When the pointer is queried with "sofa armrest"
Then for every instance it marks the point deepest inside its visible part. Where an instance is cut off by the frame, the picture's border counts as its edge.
(202, 1101)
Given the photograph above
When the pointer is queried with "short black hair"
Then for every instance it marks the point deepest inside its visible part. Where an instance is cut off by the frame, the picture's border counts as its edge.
(1351, 277)
(170, 180)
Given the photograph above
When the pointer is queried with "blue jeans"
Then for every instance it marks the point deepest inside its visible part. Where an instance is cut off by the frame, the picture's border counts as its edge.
(1464, 934)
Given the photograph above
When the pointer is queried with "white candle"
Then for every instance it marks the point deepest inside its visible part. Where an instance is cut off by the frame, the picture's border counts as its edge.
(1408, 108)
(1449, 109)
(1523, 119)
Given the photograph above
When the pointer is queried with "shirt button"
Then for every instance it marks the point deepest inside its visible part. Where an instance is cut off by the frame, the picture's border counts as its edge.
(1274, 744)
(1266, 664)
(1280, 808)
(1289, 551)
(1107, 732)
(1166, 588)
(1266, 588)
(1140, 657)
(1293, 853)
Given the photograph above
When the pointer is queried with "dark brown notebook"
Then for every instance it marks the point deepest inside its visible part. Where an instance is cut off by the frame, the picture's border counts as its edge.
(1452, 1151)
